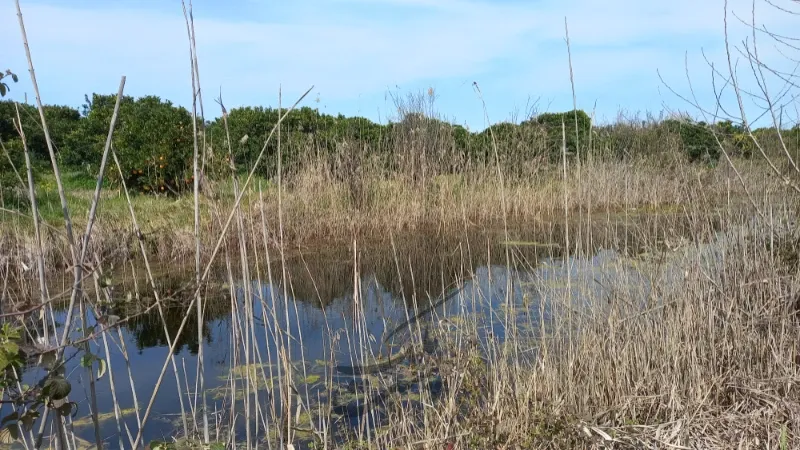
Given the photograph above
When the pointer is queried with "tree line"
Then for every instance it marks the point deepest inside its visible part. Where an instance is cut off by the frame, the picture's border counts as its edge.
(154, 141)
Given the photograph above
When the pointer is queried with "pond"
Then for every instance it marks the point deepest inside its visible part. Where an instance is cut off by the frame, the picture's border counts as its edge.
(333, 330)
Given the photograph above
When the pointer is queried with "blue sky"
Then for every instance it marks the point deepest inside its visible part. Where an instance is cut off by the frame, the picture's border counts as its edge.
(357, 52)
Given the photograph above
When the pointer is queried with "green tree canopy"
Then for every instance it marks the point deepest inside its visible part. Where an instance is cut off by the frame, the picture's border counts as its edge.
(61, 121)
(152, 138)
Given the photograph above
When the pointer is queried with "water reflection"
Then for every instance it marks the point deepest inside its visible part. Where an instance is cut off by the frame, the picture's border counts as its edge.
(328, 320)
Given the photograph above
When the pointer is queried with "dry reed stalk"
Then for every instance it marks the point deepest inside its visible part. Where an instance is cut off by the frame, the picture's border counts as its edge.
(43, 296)
(92, 387)
(509, 310)
(158, 301)
(217, 246)
(277, 336)
(77, 254)
(110, 369)
(82, 255)
(51, 151)
(285, 351)
(247, 295)
(200, 380)
(578, 239)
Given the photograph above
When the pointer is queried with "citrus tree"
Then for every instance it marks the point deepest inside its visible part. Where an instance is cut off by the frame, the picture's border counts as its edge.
(153, 140)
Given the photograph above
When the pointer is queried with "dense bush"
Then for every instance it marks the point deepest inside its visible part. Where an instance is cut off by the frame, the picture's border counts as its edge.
(61, 121)
(698, 139)
(562, 125)
(304, 132)
(152, 138)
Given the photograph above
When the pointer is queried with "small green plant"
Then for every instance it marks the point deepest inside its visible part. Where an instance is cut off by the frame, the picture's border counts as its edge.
(51, 391)
(9, 350)
(10, 370)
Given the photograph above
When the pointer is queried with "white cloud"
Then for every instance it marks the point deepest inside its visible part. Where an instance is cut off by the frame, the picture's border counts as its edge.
(349, 48)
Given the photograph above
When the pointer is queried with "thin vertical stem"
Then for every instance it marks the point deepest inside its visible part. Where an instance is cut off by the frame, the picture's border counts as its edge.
(577, 133)
(566, 226)
(44, 295)
(287, 352)
(212, 257)
(200, 381)
(48, 140)
(92, 385)
(157, 297)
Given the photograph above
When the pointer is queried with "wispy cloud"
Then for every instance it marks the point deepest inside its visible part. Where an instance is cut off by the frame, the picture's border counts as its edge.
(354, 50)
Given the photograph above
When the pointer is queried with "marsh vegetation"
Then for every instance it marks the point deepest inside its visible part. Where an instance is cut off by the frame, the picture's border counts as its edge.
(281, 279)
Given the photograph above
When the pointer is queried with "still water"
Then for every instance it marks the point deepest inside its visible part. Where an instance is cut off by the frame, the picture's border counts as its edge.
(328, 315)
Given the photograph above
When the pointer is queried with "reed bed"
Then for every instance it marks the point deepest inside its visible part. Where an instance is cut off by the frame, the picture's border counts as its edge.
(671, 320)
(317, 207)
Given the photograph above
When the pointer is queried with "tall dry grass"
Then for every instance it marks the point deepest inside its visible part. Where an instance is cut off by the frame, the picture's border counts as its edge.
(318, 207)
(694, 347)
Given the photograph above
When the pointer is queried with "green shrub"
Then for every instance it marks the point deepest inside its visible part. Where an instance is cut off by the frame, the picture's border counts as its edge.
(698, 140)
(556, 132)
(303, 132)
(61, 121)
(152, 138)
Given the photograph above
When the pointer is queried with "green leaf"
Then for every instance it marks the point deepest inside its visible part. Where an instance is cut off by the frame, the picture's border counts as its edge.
(57, 388)
(29, 418)
(4, 361)
(87, 360)
(68, 409)
(11, 333)
(14, 77)
(311, 379)
(217, 446)
(13, 416)
(11, 348)
(101, 370)
(65, 409)
(2, 89)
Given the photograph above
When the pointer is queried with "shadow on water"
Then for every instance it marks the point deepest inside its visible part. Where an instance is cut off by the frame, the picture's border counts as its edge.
(328, 327)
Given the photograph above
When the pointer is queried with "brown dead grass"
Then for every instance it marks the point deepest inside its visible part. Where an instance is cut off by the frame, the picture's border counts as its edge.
(710, 360)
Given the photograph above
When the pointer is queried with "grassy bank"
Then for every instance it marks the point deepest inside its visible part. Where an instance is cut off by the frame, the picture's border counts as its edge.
(318, 207)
